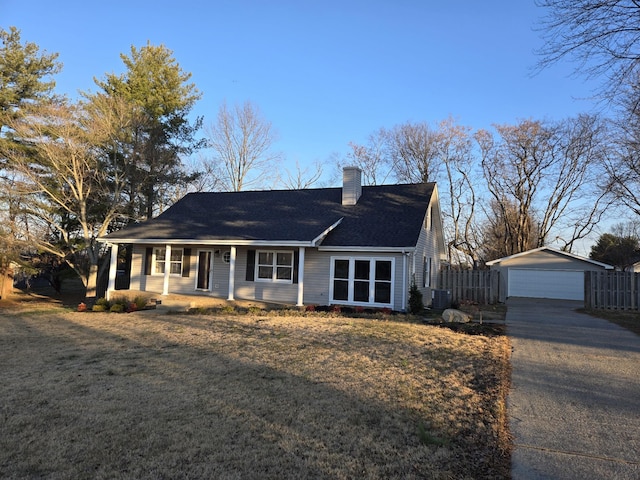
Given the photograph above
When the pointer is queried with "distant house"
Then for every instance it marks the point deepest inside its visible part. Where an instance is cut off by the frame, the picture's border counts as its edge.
(356, 245)
(635, 268)
(544, 272)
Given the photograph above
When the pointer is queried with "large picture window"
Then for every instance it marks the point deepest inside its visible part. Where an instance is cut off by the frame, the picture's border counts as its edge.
(274, 266)
(362, 280)
(160, 261)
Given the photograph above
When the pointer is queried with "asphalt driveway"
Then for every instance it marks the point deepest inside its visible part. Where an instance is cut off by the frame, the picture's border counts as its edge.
(574, 405)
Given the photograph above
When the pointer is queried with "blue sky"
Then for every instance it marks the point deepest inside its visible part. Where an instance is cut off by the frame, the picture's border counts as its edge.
(323, 72)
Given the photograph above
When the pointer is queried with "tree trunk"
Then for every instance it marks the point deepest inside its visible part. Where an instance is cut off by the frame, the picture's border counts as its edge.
(90, 296)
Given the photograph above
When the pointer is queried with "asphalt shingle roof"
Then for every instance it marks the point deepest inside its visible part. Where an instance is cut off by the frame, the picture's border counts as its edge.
(384, 216)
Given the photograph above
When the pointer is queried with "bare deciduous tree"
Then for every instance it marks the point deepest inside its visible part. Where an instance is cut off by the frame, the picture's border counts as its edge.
(623, 166)
(241, 141)
(372, 158)
(455, 153)
(547, 172)
(302, 178)
(67, 199)
(499, 238)
(414, 152)
(601, 37)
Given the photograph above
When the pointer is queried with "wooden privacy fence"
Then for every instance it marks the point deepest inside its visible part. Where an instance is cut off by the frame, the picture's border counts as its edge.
(479, 286)
(614, 290)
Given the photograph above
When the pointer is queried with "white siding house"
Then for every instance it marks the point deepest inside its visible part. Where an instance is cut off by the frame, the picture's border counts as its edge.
(356, 245)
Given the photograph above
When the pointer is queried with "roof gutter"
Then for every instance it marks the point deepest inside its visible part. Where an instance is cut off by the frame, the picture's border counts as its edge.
(192, 241)
(348, 248)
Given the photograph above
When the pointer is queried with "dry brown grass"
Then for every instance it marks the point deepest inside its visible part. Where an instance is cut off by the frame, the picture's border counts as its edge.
(145, 395)
(629, 319)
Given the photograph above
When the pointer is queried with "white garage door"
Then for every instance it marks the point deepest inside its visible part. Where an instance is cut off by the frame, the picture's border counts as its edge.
(560, 284)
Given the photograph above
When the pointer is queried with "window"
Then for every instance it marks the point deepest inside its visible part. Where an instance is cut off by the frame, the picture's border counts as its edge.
(426, 272)
(274, 266)
(160, 261)
(428, 220)
(226, 257)
(341, 280)
(362, 280)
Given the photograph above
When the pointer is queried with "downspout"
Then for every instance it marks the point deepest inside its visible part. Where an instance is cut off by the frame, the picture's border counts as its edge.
(404, 281)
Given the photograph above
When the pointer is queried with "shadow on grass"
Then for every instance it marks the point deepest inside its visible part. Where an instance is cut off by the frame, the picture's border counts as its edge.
(130, 396)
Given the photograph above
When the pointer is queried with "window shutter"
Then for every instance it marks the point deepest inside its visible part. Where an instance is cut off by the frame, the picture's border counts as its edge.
(186, 262)
(148, 258)
(296, 262)
(251, 265)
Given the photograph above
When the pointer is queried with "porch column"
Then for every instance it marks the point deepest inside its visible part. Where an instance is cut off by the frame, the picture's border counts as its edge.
(167, 270)
(232, 272)
(300, 277)
(113, 269)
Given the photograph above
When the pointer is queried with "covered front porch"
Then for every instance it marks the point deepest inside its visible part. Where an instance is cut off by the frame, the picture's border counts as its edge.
(218, 271)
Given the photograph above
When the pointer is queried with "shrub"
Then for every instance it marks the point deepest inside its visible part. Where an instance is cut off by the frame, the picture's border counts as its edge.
(117, 308)
(140, 302)
(415, 300)
(103, 302)
(98, 308)
(228, 309)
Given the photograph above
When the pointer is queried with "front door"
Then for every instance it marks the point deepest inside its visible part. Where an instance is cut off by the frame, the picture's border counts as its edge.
(205, 270)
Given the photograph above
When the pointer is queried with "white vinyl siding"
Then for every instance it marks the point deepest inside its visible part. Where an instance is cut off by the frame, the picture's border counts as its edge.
(278, 292)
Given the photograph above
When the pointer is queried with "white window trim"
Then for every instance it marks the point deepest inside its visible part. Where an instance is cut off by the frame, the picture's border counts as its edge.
(167, 262)
(373, 260)
(275, 266)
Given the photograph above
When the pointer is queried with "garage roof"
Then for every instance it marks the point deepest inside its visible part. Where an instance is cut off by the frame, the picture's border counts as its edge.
(553, 250)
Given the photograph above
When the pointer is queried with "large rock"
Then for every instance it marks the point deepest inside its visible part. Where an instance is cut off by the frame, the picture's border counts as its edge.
(453, 315)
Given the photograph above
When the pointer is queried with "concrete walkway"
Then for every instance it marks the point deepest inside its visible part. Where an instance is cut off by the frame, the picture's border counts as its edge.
(574, 406)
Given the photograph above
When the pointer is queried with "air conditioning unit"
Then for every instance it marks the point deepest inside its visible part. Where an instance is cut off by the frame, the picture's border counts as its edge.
(440, 299)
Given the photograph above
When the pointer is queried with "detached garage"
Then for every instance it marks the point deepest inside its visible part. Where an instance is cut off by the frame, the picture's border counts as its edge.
(544, 273)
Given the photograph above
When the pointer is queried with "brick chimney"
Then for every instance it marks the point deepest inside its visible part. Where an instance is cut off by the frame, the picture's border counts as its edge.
(351, 185)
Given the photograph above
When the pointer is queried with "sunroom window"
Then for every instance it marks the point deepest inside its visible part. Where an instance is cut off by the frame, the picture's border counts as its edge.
(362, 280)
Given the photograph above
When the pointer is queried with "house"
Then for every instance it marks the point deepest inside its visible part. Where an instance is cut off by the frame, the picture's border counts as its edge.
(356, 245)
(544, 272)
(635, 268)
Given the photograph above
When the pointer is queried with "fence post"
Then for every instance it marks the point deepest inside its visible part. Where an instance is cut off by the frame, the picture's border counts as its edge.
(587, 289)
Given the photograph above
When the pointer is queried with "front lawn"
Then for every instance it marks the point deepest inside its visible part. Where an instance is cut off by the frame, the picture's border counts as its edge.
(150, 395)
(629, 319)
